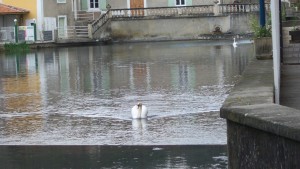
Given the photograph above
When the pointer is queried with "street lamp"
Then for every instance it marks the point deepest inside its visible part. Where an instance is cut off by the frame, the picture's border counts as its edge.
(34, 29)
(16, 30)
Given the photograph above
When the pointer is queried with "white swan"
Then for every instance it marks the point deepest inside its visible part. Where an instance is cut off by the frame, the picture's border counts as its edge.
(234, 43)
(139, 111)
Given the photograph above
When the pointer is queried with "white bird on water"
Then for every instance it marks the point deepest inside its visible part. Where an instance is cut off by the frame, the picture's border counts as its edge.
(234, 43)
(139, 111)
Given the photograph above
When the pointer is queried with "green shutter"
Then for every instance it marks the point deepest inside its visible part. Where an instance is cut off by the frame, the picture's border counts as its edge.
(103, 4)
(189, 2)
(84, 4)
(171, 2)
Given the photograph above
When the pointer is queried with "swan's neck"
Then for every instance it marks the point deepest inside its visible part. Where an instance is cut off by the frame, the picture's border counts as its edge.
(139, 110)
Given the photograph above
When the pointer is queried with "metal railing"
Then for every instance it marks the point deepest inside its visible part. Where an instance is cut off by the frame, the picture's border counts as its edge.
(84, 15)
(73, 32)
(7, 34)
(99, 23)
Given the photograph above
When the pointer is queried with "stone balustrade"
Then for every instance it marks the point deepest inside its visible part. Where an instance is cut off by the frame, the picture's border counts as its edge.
(99, 23)
(164, 11)
(241, 8)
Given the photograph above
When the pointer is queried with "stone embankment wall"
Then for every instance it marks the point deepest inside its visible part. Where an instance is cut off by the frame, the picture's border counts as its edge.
(260, 134)
(175, 28)
(166, 29)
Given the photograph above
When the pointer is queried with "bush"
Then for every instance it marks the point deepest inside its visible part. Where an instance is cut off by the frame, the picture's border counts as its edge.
(16, 47)
(259, 31)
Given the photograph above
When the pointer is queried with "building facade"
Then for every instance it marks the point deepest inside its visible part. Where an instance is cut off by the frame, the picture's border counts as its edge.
(117, 4)
(30, 5)
(60, 15)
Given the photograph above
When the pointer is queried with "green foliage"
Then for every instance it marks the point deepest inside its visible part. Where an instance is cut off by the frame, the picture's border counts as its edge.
(259, 31)
(263, 32)
(16, 47)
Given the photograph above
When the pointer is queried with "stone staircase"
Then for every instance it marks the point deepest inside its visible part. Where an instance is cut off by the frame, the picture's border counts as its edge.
(82, 20)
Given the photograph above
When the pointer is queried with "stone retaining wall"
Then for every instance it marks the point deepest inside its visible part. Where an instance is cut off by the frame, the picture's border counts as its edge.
(174, 28)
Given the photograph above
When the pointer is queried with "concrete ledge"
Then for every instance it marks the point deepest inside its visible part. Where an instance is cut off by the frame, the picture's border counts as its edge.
(260, 134)
(279, 120)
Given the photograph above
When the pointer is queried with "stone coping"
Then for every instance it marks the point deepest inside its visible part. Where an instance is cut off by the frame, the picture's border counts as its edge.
(273, 118)
(251, 103)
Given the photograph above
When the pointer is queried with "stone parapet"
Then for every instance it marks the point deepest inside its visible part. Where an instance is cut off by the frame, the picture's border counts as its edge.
(260, 134)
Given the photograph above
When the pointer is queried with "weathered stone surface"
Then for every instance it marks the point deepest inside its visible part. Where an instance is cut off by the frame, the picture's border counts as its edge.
(263, 48)
(250, 148)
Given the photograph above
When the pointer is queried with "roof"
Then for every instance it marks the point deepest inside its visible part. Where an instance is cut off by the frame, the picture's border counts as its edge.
(8, 9)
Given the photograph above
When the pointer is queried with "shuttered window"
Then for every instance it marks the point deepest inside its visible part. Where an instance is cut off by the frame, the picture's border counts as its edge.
(61, 1)
(94, 4)
(180, 2)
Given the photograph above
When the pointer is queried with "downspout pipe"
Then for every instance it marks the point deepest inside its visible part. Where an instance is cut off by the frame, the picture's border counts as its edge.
(262, 13)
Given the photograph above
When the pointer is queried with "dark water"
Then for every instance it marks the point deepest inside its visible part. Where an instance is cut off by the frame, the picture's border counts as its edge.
(113, 157)
(83, 96)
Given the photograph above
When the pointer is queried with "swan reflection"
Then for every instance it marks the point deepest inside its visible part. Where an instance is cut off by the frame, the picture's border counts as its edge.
(139, 124)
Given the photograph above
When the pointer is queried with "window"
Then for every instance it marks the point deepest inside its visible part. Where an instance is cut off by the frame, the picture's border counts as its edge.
(180, 2)
(94, 4)
(61, 1)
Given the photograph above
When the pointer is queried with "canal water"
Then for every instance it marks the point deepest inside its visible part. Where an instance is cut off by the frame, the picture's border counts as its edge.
(82, 96)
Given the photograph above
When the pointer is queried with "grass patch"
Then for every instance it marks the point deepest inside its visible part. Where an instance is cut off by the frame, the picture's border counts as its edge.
(16, 47)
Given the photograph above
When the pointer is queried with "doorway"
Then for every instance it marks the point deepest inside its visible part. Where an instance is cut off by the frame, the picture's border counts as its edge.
(62, 26)
(137, 4)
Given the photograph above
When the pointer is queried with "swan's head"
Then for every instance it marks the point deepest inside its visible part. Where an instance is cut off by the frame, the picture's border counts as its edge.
(139, 105)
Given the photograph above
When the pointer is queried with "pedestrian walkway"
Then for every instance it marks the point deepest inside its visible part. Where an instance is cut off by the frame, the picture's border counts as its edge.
(290, 86)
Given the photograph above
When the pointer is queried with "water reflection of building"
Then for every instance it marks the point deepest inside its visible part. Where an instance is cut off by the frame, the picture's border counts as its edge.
(107, 69)
(139, 76)
(103, 69)
(21, 86)
(22, 83)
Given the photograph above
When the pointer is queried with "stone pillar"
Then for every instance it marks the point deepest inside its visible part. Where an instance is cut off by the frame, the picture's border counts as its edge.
(216, 8)
(90, 31)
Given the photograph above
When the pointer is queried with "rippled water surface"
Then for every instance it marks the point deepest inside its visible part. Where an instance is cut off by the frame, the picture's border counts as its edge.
(83, 95)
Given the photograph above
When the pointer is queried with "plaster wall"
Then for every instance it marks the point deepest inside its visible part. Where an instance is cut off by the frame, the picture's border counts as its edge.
(240, 22)
(117, 4)
(59, 9)
(155, 3)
